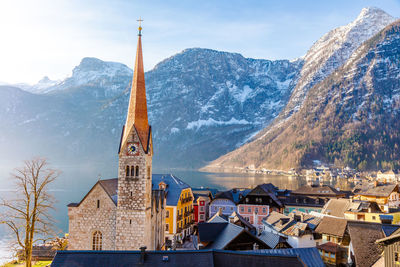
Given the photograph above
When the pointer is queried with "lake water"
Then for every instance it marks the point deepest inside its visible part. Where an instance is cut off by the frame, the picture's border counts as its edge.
(76, 180)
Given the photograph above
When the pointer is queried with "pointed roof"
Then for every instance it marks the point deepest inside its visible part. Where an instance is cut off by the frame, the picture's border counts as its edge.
(137, 110)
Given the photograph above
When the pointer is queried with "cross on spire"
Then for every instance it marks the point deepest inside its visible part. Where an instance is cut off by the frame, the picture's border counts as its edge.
(140, 25)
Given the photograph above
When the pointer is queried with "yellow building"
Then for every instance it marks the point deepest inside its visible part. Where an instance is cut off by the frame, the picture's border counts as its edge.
(179, 217)
(385, 195)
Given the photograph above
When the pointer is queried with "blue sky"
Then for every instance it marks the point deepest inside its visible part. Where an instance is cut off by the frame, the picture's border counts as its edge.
(50, 37)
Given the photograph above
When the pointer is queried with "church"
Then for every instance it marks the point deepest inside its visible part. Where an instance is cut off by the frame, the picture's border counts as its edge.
(128, 212)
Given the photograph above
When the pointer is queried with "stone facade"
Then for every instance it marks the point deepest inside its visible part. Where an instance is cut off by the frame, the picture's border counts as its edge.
(134, 197)
(96, 212)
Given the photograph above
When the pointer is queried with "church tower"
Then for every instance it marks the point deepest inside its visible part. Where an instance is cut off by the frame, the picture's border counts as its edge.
(133, 217)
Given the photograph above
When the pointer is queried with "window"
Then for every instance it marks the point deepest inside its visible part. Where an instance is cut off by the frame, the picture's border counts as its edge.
(256, 210)
(148, 172)
(137, 171)
(130, 221)
(332, 255)
(201, 208)
(127, 171)
(242, 209)
(131, 193)
(167, 214)
(97, 240)
(328, 238)
(132, 171)
(231, 208)
(396, 257)
(167, 227)
(201, 217)
(248, 209)
(98, 203)
(373, 217)
(264, 210)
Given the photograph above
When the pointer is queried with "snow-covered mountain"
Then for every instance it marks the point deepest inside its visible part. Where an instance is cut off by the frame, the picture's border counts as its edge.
(349, 118)
(332, 50)
(202, 104)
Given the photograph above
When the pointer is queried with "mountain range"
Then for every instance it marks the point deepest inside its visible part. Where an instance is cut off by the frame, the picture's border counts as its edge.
(235, 112)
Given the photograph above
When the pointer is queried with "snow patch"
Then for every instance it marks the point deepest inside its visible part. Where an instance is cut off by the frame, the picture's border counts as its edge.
(195, 125)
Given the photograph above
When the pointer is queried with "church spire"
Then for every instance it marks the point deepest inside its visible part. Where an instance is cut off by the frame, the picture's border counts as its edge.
(137, 111)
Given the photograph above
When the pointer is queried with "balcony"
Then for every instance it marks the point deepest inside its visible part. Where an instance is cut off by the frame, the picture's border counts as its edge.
(186, 200)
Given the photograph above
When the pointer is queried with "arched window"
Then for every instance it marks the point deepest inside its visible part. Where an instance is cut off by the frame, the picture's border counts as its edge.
(132, 171)
(137, 170)
(97, 240)
(127, 171)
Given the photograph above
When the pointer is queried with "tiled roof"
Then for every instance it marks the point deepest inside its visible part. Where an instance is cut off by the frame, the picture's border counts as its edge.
(329, 247)
(310, 256)
(212, 191)
(363, 236)
(271, 239)
(336, 207)
(111, 187)
(187, 258)
(380, 190)
(208, 232)
(225, 236)
(174, 187)
(325, 190)
(332, 226)
(277, 221)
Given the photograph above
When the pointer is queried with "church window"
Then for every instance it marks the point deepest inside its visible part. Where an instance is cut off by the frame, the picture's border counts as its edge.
(137, 171)
(130, 221)
(132, 171)
(98, 203)
(97, 241)
(127, 171)
(148, 173)
(131, 193)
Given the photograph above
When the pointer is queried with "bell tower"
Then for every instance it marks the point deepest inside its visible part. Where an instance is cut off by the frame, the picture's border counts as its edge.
(133, 217)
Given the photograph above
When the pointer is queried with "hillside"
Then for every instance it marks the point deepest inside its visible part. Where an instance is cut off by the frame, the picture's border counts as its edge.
(350, 118)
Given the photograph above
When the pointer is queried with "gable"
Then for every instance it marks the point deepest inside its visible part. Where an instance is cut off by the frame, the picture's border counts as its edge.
(97, 193)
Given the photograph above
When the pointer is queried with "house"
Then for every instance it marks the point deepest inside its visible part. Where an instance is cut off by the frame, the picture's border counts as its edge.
(258, 203)
(335, 241)
(39, 253)
(226, 201)
(363, 249)
(296, 228)
(227, 236)
(202, 199)
(186, 258)
(385, 195)
(387, 177)
(310, 198)
(234, 218)
(336, 207)
(179, 207)
(391, 248)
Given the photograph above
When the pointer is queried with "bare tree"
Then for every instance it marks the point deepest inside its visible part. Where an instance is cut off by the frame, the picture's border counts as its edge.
(27, 213)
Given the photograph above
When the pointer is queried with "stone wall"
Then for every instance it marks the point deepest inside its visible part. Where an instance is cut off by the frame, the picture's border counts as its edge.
(133, 222)
(86, 218)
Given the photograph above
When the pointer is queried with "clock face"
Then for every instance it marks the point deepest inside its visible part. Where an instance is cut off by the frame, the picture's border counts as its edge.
(132, 149)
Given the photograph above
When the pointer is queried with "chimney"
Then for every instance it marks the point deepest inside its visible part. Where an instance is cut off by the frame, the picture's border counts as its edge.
(142, 254)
